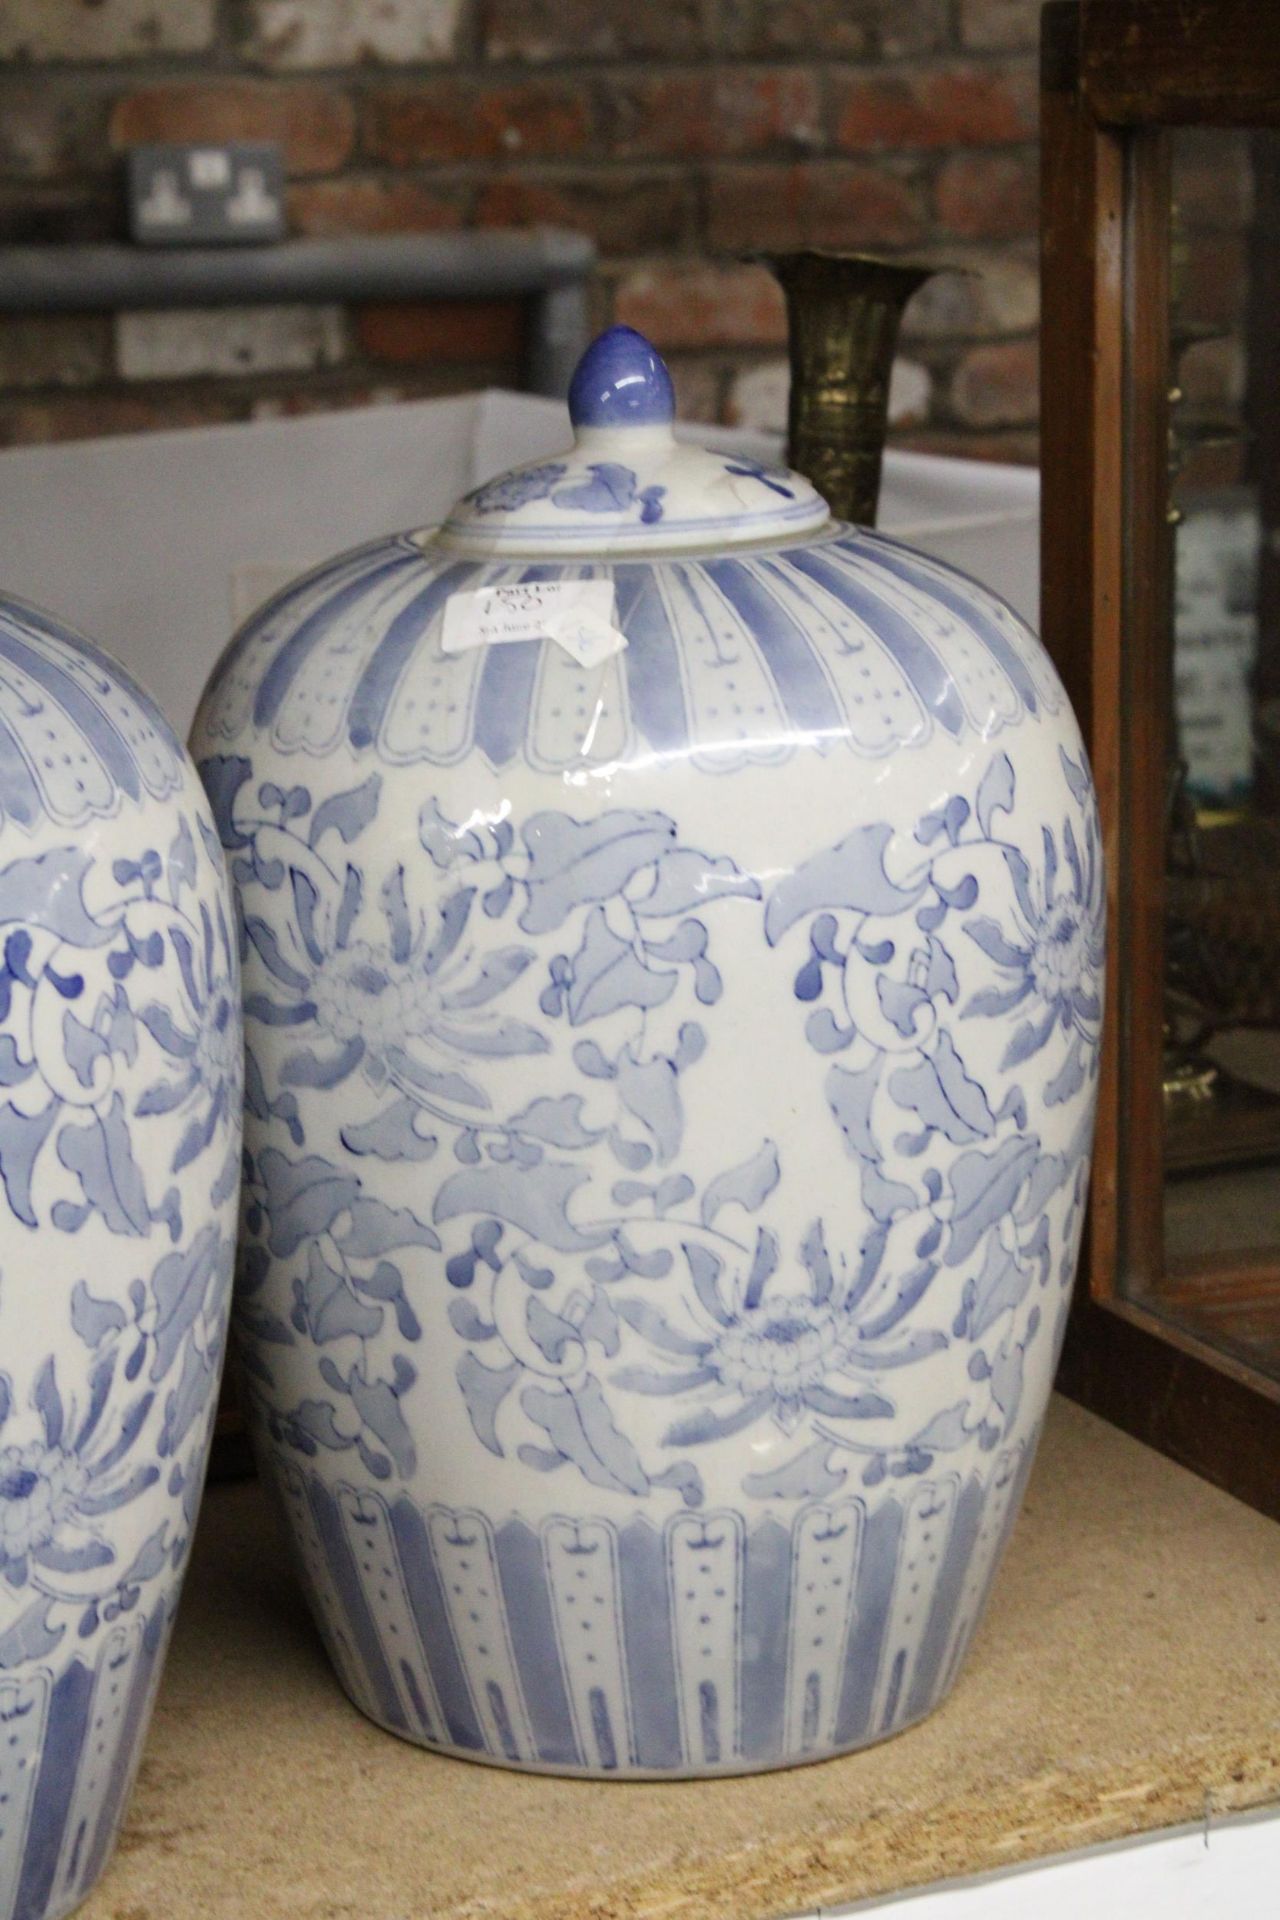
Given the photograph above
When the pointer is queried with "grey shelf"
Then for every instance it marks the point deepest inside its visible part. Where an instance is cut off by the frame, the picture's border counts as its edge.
(549, 266)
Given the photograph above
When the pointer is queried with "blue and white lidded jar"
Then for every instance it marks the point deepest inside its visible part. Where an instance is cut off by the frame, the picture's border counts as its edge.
(673, 942)
(121, 1087)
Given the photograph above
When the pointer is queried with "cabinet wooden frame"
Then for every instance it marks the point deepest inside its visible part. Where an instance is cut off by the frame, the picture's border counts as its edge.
(1117, 76)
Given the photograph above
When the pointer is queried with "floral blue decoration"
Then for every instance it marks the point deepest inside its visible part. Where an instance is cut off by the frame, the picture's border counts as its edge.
(121, 1091)
(514, 490)
(549, 1252)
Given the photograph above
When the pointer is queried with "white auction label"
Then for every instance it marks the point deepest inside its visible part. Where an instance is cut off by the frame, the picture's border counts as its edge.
(576, 614)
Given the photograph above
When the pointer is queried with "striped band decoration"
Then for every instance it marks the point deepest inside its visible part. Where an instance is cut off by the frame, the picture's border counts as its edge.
(708, 1643)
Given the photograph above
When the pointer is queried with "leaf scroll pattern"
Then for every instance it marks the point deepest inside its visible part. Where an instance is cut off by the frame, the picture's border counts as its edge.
(957, 1003)
(584, 1268)
(120, 1098)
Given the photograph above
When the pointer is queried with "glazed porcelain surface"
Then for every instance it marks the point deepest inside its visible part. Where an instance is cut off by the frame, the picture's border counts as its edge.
(120, 1118)
(670, 1087)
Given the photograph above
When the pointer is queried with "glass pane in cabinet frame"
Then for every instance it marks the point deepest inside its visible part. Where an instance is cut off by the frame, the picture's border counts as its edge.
(1221, 991)
(1197, 1204)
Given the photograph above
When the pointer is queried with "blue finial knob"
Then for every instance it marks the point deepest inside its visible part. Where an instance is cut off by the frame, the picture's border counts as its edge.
(621, 381)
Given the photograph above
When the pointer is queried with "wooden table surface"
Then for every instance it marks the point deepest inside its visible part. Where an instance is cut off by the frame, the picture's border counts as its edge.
(1127, 1677)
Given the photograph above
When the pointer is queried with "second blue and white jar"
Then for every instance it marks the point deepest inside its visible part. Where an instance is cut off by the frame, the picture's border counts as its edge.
(673, 932)
(121, 1090)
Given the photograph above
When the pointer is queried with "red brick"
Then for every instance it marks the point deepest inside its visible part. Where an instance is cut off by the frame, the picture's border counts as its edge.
(409, 383)
(338, 33)
(88, 416)
(596, 29)
(758, 28)
(700, 305)
(54, 349)
(918, 26)
(49, 130)
(819, 204)
(951, 106)
(987, 296)
(663, 113)
(314, 125)
(104, 29)
(370, 203)
(445, 330)
(998, 386)
(834, 29)
(758, 393)
(83, 416)
(689, 113)
(766, 110)
(624, 212)
(36, 215)
(988, 196)
(468, 120)
(1000, 24)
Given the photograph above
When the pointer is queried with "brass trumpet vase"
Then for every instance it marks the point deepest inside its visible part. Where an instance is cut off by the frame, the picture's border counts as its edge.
(844, 311)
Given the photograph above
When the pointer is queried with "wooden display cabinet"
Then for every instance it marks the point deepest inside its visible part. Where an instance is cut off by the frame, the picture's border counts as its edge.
(1175, 1329)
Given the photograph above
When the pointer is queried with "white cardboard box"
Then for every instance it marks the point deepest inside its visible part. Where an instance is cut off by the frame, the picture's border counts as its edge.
(156, 545)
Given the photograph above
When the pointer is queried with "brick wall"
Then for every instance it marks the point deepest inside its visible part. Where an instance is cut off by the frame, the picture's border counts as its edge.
(681, 134)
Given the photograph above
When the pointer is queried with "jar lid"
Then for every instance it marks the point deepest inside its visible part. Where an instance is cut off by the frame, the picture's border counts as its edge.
(627, 484)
